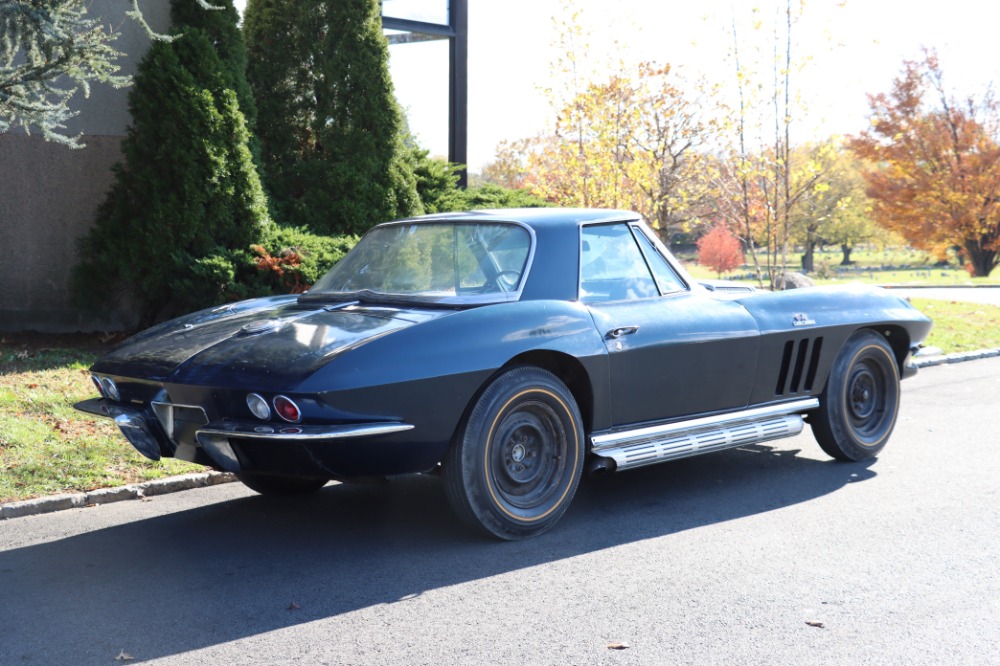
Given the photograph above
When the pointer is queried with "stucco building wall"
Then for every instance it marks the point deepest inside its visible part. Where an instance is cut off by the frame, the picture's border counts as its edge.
(49, 193)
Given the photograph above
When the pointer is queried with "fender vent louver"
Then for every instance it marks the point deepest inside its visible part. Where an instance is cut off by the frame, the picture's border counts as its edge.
(800, 361)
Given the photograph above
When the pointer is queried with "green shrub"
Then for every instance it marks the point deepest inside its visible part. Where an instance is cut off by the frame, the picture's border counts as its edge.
(824, 270)
(437, 182)
(187, 202)
(290, 259)
(494, 196)
(437, 185)
(328, 122)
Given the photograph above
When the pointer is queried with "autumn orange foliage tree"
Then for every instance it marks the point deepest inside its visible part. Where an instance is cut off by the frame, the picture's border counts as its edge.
(934, 165)
(720, 250)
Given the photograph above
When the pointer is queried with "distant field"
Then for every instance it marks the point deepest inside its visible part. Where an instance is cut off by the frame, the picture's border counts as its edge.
(897, 266)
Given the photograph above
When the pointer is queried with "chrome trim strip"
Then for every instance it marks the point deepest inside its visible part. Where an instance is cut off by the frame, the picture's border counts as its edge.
(299, 433)
(106, 409)
(615, 439)
(137, 432)
(130, 422)
(641, 452)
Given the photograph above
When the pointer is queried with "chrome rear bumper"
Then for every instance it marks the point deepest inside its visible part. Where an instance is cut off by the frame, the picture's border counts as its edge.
(179, 423)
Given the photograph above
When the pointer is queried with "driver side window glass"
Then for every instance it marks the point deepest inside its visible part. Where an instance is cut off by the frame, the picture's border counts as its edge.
(612, 267)
(666, 279)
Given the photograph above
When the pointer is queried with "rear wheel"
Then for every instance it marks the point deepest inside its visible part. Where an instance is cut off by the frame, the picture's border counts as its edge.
(859, 405)
(280, 486)
(517, 459)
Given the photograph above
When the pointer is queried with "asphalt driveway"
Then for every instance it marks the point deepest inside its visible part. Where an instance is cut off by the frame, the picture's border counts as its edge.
(762, 555)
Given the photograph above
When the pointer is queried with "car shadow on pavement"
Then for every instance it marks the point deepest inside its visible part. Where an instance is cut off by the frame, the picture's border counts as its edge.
(183, 581)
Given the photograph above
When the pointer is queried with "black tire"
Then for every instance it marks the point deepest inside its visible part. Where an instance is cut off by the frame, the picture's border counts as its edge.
(859, 405)
(280, 486)
(516, 460)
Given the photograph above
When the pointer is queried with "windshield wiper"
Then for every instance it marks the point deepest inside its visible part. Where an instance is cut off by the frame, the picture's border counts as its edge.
(363, 296)
(328, 296)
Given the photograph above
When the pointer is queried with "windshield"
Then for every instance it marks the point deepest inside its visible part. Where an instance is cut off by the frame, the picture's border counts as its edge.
(439, 262)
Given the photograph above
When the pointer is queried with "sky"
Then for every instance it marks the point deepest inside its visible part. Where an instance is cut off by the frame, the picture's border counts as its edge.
(846, 49)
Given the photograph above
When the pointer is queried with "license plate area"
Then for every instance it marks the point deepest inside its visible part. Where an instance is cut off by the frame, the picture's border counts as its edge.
(180, 422)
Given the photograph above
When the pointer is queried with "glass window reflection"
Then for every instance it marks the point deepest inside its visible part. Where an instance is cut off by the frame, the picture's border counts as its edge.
(612, 267)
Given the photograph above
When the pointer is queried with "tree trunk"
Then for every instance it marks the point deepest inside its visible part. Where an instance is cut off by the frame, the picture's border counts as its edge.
(846, 250)
(982, 261)
(808, 259)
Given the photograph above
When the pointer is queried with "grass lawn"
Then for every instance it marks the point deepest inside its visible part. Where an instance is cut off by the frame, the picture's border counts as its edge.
(961, 326)
(47, 447)
(896, 266)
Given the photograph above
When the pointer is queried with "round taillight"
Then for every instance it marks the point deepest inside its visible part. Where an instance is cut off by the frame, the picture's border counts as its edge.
(287, 409)
(258, 406)
(110, 389)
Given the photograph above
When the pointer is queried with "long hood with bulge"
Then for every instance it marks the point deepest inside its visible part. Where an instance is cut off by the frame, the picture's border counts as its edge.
(268, 342)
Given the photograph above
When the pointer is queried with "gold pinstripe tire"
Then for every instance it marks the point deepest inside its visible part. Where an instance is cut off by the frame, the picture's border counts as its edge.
(859, 406)
(516, 461)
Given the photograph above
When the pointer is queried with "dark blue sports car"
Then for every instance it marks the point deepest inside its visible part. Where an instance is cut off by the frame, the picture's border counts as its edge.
(508, 350)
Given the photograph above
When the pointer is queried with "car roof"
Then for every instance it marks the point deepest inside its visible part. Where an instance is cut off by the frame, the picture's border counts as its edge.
(534, 217)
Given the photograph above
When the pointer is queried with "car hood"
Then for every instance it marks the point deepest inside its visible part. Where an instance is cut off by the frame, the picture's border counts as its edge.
(271, 342)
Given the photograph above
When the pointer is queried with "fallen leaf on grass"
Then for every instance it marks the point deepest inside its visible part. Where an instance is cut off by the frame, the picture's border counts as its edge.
(124, 656)
(618, 646)
(813, 623)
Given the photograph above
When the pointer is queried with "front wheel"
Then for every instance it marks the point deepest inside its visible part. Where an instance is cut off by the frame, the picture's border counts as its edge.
(279, 486)
(517, 459)
(859, 405)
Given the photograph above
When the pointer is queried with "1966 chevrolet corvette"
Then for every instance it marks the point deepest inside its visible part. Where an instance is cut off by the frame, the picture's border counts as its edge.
(509, 350)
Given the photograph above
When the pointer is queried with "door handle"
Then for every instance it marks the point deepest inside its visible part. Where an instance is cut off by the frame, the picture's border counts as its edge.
(620, 331)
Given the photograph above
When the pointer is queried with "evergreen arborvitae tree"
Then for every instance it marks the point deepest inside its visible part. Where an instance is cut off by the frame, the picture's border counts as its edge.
(221, 26)
(187, 202)
(328, 123)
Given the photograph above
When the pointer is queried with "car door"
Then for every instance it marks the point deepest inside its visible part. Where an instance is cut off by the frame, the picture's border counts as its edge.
(673, 351)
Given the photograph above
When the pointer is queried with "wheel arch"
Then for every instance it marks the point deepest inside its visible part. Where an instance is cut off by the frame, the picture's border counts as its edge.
(898, 339)
(567, 368)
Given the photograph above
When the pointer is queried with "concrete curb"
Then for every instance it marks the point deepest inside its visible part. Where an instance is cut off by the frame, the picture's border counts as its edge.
(39, 505)
(940, 286)
(957, 357)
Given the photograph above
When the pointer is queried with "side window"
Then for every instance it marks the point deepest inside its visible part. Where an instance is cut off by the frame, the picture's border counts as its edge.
(612, 267)
(666, 279)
